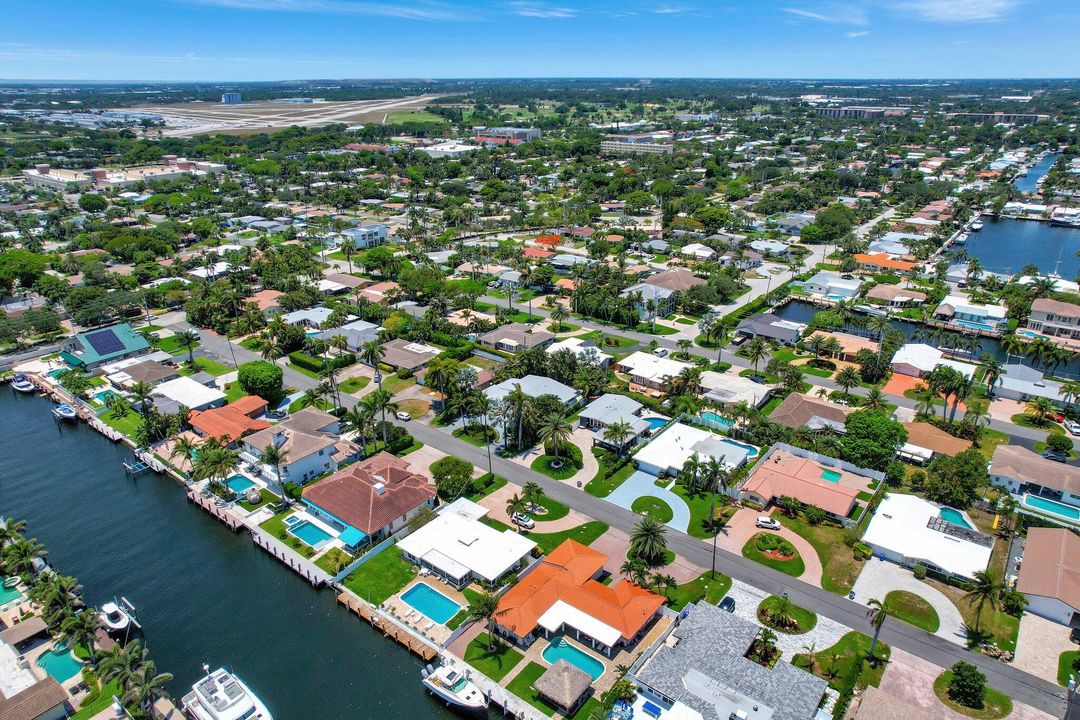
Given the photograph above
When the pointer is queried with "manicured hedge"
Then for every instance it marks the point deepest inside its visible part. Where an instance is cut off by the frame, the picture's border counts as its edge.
(315, 364)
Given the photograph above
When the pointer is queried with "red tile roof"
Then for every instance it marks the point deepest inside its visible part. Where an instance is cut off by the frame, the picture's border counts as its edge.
(793, 476)
(566, 575)
(351, 495)
(232, 421)
(536, 253)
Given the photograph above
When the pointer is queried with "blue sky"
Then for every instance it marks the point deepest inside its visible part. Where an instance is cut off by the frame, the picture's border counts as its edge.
(293, 39)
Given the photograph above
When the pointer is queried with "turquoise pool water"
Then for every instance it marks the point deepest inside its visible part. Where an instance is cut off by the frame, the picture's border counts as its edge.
(239, 483)
(718, 419)
(655, 423)
(751, 451)
(975, 325)
(954, 517)
(60, 664)
(559, 649)
(831, 476)
(8, 594)
(310, 533)
(1052, 507)
(103, 396)
(431, 603)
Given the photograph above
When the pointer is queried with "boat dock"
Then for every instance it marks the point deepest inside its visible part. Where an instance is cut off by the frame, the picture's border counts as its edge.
(209, 504)
(301, 566)
(417, 644)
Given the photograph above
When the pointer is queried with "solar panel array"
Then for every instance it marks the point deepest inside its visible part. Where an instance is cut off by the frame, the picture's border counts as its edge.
(105, 342)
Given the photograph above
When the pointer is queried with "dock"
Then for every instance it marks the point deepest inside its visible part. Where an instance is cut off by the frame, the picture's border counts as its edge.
(301, 566)
(389, 628)
(209, 504)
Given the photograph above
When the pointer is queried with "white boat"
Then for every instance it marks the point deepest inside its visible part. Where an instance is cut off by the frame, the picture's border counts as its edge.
(63, 411)
(961, 239)
(223, 696)
(118, 616)
(22, 384)
(453, 687)
(977, 226)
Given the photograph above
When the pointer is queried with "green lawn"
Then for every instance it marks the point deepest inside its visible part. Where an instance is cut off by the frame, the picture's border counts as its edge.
(298, 404)
(555, 510)
(805, 620)
(658, 329)
(95, 702)
(354, 384)
(497, 483)
(701, 507)
(206, 364)
(304, 371)
(334, 560)
(653, 507)
(792, 566)
(569, 462)
(912, 609)
(1065, 666)
(995, 704)
(1003, 628)
(585, 534)
(495, 664)
(393, 384)
(610, 341)
(276, 525)
(708, 587)
(603, 485)
(522, 686)
(172, 346)
(265, 496)
(234, 392)
(834, 663)
(127, 424)
(420, 116)
(382, 576)
(839, 568)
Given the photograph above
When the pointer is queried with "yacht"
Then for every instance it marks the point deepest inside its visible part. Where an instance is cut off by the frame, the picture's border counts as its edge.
(977, 225)
(453, 687)
(64, 411)
(22, 384)
(118, 616)
(223, 696)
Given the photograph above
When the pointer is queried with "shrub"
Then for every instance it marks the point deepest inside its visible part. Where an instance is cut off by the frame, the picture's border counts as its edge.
(262, 378)
(814, 515)
(967, 685)
(292, 490)
(851, 536)
(920, 571)
(1013, 602)
(451, 475)
(1059, 443)
(862, 552)
(774, 543)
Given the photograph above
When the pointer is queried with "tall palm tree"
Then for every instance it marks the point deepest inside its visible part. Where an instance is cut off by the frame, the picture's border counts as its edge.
(121, 663)
(635, 570)
(757, 350)
(985, 590)
(145, 686)
(617, 433)
(19, 556)
(274, 456)
(875, 400)
(648, 541)
(554, 431)
(516, 505)
(372, 353)
(380, 402)
(533, 494)
(877, 614)
(517, 402)
(360, 420)
(11, 530)
(188, 340)
(480, 406)
(313, 397)
(484, 607)
(847, 379)
(140, 393)
(81, 629)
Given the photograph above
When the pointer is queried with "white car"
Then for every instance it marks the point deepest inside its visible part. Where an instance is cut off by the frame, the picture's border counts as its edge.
(767, 523)
(523, 520)
(660, 352)
(1073, 427)
(403, 416)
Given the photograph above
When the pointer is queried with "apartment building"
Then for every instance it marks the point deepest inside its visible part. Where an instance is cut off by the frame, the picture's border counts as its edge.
(624, 147)
(172, 167)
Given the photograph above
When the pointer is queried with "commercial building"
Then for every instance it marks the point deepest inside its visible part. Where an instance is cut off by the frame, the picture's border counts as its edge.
(625, 147)
(861, 112)
(171, 168)
(999, 117)
(1050, 574)
(513, 135)
(231, 98)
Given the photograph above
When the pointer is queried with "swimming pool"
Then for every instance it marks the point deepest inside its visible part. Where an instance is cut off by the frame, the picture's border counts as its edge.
(431, 603)
(974, 325)
(1052, 507)
(239, 483)
(712, 417)
(310, 533)
(60, 664)
(103, 396)
(8, 595)
(954, 517)
(831, 475)
(751, 451)
(655, 423)
(1028, 334)
(560, 649)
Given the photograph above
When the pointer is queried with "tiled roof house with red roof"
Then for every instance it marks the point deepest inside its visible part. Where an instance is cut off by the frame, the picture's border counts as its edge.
(563, 595)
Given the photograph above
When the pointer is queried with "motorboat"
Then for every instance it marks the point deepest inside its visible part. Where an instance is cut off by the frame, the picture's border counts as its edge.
(64, 411)
(118, 616)
(22, 384)
(977, 226)
(452, 686)
(962, 239)
(220, 695)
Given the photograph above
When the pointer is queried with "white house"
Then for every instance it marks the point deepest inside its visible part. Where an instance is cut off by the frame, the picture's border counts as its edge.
(534, 386)
(583, 349)
(670, 450)
(662, 300)
(917, 359)
(189, 393)
(1050, 574)
(697, 251)
(832, 285)
(960, 310)
(649, 370)
(310, 440)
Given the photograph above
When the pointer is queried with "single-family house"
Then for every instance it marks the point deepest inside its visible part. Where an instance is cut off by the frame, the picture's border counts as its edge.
(267, 301)
(798, 410)
(1022, 382)
(960, 310)
(366, 236)
(94, 348)
(678, 279)
(1045, 488)
(515, 338)
(402, 354)
(918, 359)
(584, 350)
(23, 694)
(231, 422)
(356, 333)
(186, 392)
(668, 451)
(610, 409)
(649, 370)
(650, 301)
(771, 327)
(312, 318)
(883, 263)
(311, 443)
(148, 372)
(730, 389)
(832, 285)
(895, 296)
(535, 386)
(926, 441)
(1050, 574)
(697, 251)
(1055, 319)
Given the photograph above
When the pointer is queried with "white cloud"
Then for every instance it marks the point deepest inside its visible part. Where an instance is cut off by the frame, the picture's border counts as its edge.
(857, 33)
(669, 10)
(959, 11)
(840, 14)
(411, 11)
(539, 10)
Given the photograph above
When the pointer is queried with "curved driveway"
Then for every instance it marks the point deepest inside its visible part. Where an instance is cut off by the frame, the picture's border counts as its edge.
(642, 483)
(880, 577)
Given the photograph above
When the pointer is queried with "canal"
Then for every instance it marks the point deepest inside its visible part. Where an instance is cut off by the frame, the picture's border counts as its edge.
(1006, 245)
(1030, 183)
(203, 594)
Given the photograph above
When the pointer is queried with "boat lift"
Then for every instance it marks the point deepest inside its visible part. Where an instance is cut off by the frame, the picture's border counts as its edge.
(135, 467)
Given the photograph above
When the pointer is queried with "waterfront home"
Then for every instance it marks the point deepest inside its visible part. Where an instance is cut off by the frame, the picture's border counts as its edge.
(650, 371)
(926, 441)
(1050, 574)
(231, 422)
(669, 451)
(961, 311)
(310, 440)
(369, 500)
(1046, 488)
(918, 359)
(679, 279)
(650, 301)
(460, 549)
(584, 350)
(515, 338)
(702, 671)
(1021, 382)
(850, 345)
(883, 263)
(609, 409)
(896, 244)
(186, 392)
(799, 410)
(1055, 319)
(909, 531)
(563, 594)
(24, 695)
(771, 327)
(810, 478)
(94, 348)
(356, 334)
(535, 386)
(832, 285)
(895, 296)
(147, 372)
(726, 389)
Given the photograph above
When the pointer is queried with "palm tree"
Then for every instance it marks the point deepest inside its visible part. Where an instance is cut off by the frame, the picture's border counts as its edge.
(875, 400)
(847, 379)
(648, 541)
(273, 456)
(485, 606)
(757, 350)
(145, 686)
(140, 393)
(516, 505)
(877, 615)
(558, 314)
(617, 433)
(187, 339)
(766, 642)
(992, 369)
(359, 419)
(372, 354)
(19, 556)
(636, 571)
(313, 397)
(122, 663)
(11, 530)
(1038, 409)
(81, 629)
(517, 402)
(533, 494)
(924, 400)
(984, 590)
(480, 405)
(555, 430)
(380, 402)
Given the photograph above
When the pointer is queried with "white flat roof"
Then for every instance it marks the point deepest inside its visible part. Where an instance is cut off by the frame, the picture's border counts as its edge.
(650, 366)
(453, 541)
(561, 614)
(672, 447)
(900, 525)
(188, 392)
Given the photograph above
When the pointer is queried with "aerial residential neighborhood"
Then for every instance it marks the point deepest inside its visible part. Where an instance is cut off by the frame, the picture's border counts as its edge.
(594, 399)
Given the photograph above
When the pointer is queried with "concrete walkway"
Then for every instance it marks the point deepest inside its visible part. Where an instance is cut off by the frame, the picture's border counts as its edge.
(1039, 645)
(640, 484)
(880, 577)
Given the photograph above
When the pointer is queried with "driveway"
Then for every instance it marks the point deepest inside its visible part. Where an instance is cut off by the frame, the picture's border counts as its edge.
(496, 505)
(741, 528)
(880, 577)
(1039, 646)
(825, 634)
(642, 483)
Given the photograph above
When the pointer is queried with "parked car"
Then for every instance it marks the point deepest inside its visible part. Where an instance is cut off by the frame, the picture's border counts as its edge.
(727, 604)
(1075, 635)
(767, 523)
(523, 520)
(403, 416)
(1056, 456)
(1073, 427)
(759, 379)
(661, 352)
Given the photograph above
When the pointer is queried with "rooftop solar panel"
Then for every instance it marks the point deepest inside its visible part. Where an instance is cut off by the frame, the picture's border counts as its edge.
(105, 342)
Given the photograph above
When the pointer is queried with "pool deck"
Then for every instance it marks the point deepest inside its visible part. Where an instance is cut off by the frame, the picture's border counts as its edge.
(413, 618)
(640, 484)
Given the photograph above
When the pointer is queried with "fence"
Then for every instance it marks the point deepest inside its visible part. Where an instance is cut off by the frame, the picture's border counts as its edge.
(375, 550)
(302, 567)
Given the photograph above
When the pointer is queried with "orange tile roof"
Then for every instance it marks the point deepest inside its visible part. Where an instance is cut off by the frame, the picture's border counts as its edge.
(884, 261)
(536, 253)
(230, 422)
(793, 476)
(566, 575)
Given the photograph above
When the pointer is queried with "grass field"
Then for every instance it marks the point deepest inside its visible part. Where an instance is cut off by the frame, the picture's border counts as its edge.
(912, 609)
(804, 619)
(422, 116)
(711, 588)
(839, 568)
(382, 576)
(995, 704)
(834, 663)
(494, 663)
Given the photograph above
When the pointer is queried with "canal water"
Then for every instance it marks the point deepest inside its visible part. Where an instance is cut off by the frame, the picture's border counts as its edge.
(1006, 245)
(1029, 183)
(203, 594)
